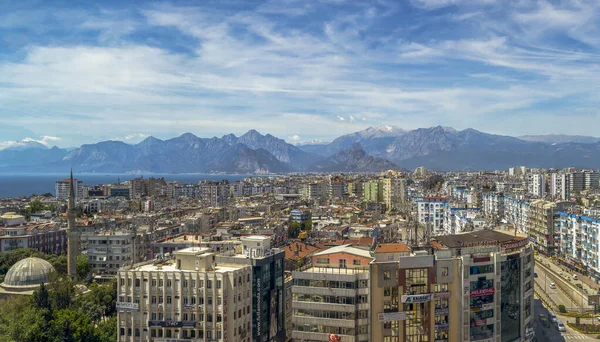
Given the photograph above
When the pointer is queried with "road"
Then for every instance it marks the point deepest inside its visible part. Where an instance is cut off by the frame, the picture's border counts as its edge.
(586, 282)
(557, 295)
(551, 334)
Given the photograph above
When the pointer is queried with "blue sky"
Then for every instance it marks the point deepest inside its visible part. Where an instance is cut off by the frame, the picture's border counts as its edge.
(76, 72)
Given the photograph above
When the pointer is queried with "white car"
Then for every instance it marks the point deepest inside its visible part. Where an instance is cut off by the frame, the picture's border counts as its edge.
(560, 326)
(560, 272)
(575, 277)
(552, 285)
(553, 318)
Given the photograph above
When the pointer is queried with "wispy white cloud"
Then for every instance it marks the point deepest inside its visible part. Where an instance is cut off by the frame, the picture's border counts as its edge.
(254, 69)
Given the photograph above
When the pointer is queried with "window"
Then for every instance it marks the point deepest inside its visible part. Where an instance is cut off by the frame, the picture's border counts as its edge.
(137, 283)
(153, 282)
(356, 262)
(209, 284)
(445, 271)
(169, 300)
(193, 283)
(218, 284)
(160, 282)
(322, 261)
(169, 282)
(153, 299)
(387, 275)
(160, 299)
(185, 283)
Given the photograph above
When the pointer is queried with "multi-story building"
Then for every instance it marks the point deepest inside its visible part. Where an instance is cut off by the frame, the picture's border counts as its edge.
(394, 192)
(516, 213)
(560, 185)
(493, 205)
(49, 238)
(332, 297)
(373, 191)
(107, 252)
(355, 189)
(592, 179)
(430, 212)
(536, 183)
(312, 190)
(541, 226)
(214, 194)
(267, 291)
(338, 188)
(287, 285)
(579, 241)
(577, 182)
(62, 189)
(464, 287)
(190, 297)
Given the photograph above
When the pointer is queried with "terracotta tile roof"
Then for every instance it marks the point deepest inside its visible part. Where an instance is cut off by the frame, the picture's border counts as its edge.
(366, 241)
(392, 248)
(303, 249)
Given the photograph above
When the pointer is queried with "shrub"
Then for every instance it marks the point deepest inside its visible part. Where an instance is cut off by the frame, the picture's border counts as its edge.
(562, 309)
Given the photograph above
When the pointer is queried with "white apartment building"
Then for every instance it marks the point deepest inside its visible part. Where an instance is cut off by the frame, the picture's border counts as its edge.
(332, 297)
(313, 190)
(579, 240)
(187, 298)
(493, 205)
(430, 212)
(560, 185)
(61, 188)
(536, 184)
(516, 212)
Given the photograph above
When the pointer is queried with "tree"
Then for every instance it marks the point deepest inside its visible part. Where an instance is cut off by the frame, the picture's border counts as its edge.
(308, 226)
(36, 205)
(70, 326)
(83, 267)
(21, 320)
(293, 230)
(108, 329)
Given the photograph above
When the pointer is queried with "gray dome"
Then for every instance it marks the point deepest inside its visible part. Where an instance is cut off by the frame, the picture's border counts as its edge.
(29, 272)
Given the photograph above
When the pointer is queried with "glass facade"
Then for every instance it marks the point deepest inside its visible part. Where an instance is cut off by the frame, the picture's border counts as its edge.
(416, 324)
(509, 300)
(267, 297)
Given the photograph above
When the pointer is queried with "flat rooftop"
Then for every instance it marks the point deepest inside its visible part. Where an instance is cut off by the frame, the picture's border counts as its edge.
(170, 267)
(476, 238)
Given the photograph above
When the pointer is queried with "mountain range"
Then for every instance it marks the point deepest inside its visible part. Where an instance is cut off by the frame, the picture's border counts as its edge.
(370, 150)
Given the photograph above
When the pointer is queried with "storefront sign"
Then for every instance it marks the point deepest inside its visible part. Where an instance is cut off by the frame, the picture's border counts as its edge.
(482, 292)
(508, 246)
(481, 259)
(478, 243)
(442, 295)
(126, 306)
(391, 316)
(167, 324)
(417, 298)
(480, 322)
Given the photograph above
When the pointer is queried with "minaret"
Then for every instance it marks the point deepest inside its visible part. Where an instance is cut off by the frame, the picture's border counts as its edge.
(73, 243)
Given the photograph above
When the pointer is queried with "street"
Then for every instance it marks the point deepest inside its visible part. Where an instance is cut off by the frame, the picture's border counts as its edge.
(551, 333)
(557, 295)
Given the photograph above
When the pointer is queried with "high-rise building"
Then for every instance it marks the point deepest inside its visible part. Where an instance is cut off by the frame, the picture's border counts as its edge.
(189, 297)
(332, 297)
(464, 287)
(541, 226)
(313, 190)
(373, 191)
(267, 292)
(61, 188)
(536, 183)
(394, 192)
(430, 212)
(338, 188)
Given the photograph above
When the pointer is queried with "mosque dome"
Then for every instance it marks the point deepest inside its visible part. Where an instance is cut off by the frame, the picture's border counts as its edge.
(28, 273)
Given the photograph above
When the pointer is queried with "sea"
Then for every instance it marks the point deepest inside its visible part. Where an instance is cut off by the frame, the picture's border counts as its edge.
(26, 184)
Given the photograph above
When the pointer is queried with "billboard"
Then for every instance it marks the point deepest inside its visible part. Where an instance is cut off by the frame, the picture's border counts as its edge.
(422, 298)
(391, 316)
(126, 306)
(482, 292)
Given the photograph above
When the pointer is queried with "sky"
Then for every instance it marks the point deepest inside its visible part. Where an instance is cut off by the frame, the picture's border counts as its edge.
(81, 72)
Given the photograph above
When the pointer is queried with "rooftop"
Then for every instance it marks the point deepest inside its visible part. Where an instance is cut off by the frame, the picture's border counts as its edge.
(345, 249)
(481, 237)
(392, 248)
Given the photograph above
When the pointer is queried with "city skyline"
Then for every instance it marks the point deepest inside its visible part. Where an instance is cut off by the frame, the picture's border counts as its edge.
(300, 71)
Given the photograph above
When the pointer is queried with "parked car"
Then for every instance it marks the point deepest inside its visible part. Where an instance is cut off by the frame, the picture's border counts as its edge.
(579, 286)
(552, 285)
(553, 318)
(575, 277)
(560, 272)
(560, 326)
(544, 320)
(585, 291)
(568, 278)
(535, 274)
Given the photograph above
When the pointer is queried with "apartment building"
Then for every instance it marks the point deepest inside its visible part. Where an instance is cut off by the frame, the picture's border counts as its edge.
(560, 185)
(190, 297)
(61, 189)
(331, 299)
(579, 241)
(394, 192)
(541, 226)
(338, 188)
(516, 212)
(49, 238)
(536, 184)
(493, 205)
(313, 190)
(430, 212)
(373, 191)
(108, 251)
(464, 287)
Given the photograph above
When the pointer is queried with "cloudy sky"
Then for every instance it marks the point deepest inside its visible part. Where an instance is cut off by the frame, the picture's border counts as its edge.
(301, 70)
